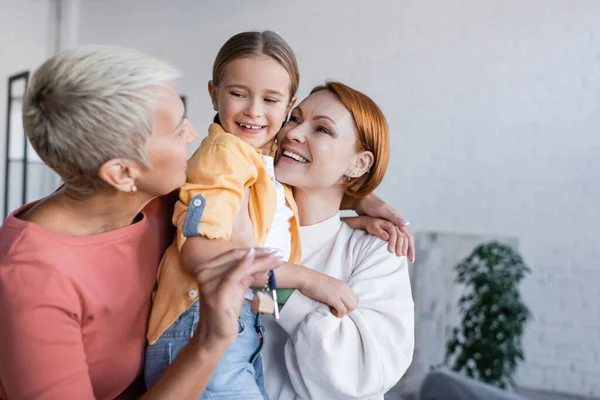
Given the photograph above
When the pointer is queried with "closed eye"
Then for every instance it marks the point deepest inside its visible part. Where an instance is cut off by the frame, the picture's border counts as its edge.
(322, 129)
(181, 131)
(237, 94)
(294, 119)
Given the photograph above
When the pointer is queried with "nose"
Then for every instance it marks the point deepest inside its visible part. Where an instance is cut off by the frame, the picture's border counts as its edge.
(297, 134)
(254, 108)
(192, 134)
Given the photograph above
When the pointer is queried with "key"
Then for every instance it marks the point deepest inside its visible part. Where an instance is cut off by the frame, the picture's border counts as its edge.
(263, 303)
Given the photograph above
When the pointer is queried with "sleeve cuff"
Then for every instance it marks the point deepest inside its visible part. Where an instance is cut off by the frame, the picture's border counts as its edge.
(194, 216)
(296, 309)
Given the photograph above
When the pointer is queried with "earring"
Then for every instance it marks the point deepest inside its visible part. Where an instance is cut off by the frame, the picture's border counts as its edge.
(133, 189)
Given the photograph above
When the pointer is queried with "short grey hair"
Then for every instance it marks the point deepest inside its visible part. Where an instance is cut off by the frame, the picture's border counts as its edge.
(91, 104)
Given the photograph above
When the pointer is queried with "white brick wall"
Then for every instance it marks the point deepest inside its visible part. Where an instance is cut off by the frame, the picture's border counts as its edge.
(494, 107)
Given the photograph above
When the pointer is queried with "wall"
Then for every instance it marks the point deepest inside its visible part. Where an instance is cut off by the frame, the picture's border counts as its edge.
(494, 110)
(26, 39)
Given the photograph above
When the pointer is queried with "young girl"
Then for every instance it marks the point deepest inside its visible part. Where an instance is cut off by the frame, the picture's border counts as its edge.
(230, 183)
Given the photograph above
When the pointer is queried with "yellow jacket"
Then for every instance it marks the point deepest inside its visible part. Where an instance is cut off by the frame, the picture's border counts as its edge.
(218, 174)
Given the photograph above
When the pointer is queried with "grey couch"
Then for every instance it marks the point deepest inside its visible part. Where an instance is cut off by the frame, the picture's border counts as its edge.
(443, 384)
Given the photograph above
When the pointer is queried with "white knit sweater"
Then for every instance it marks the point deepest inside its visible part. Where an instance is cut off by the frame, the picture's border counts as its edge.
(311, 354)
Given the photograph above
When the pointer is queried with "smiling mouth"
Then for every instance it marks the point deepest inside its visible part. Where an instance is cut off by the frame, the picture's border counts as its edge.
(295, 157)
(252, 127)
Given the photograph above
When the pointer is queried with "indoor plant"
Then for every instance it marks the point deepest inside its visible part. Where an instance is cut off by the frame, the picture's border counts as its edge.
(487, 345)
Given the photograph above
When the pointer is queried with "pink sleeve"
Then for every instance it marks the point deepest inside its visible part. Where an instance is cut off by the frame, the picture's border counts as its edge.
(41, 345)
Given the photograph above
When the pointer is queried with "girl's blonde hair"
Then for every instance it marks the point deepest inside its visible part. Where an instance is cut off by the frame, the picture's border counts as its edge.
(254, 44)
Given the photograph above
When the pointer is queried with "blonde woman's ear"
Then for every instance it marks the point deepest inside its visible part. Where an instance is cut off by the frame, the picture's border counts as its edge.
(120, 174)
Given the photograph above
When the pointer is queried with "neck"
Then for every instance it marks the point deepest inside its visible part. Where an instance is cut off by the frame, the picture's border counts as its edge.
(101, 212)
(315, 206)
(267, 148)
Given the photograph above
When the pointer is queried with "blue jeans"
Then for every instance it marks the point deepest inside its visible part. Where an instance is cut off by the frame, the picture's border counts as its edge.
(239, 374)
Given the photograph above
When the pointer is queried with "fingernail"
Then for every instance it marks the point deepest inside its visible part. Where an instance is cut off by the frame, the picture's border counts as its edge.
(277, 254)
(249, 253)
(404, 222)
(274, 253)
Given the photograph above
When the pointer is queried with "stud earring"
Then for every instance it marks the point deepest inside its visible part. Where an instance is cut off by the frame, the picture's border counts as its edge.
(133, 189)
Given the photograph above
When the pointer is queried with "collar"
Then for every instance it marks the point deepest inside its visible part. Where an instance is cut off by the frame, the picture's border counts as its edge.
(314, 236)
(214, 129)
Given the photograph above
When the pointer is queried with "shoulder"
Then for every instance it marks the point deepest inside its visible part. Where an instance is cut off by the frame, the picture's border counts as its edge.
(219, 139)
(27, 253)
(360, 239)
(223, 149)
(31, 271)
(22, 240)
(27, 284)
(369, 250)
(28, 274)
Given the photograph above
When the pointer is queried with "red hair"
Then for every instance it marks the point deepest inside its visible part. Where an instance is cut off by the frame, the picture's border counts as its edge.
(372, 134)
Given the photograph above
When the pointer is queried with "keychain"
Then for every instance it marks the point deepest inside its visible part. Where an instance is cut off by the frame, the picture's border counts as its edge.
(262, 302)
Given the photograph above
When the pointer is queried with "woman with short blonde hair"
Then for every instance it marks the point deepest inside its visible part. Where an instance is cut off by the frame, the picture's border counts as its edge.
(77, 268)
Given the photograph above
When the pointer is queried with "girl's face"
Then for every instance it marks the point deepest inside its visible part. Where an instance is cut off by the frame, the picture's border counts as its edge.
(253, 99)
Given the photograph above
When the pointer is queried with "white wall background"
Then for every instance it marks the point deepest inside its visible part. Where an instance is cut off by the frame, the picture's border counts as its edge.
(494, 107)
(26, 39)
